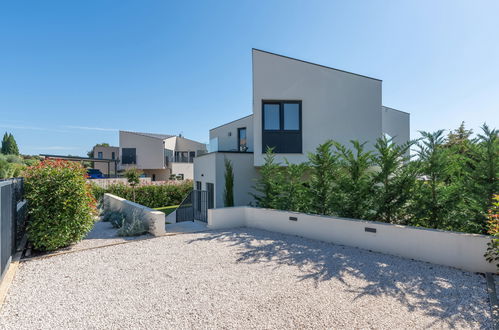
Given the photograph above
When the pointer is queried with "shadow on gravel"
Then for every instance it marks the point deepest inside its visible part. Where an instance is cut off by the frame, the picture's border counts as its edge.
(442, 292)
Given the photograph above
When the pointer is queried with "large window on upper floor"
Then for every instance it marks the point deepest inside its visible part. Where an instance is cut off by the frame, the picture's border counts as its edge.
(128, 156)
(282, 127)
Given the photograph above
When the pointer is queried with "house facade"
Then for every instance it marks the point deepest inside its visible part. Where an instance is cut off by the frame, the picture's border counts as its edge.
(103, 152)
(159, 156)
(297, 105)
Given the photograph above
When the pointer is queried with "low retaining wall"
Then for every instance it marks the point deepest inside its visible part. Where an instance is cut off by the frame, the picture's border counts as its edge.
(459, 250)
(154, 219)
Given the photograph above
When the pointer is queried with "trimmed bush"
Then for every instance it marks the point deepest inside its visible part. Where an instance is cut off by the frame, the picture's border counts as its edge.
(61, 206)
(152, 196)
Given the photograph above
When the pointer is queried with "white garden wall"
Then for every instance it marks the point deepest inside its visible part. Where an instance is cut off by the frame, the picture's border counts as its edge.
(459, 250)
(154, 219)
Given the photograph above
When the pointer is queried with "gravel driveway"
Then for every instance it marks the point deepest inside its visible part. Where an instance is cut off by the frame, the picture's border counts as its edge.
(242, 278)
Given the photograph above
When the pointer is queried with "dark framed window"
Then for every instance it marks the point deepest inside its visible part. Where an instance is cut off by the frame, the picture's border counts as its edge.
(282, 126)
(198, 185)
(113, 155)
(128, 156)
(242, 144)
(99, 155)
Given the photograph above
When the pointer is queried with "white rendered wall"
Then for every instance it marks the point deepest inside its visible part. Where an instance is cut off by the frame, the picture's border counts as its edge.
(210, 168)
(149, 151)
(396, 123)
(187, 169)
(459, 250)
(228, 142)
(154, 219)
(335, 105)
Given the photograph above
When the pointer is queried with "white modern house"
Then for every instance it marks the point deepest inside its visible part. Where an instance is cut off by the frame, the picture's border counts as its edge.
(297, 105)
(159, 156)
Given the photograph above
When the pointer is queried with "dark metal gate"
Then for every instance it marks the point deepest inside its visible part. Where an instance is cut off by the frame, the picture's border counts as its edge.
(194, 207)
(13, 212)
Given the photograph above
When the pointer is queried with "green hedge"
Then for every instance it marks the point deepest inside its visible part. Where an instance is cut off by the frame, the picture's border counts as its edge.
(61, 207)
(152, 196)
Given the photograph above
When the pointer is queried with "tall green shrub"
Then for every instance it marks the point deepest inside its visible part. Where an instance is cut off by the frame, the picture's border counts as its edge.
(61, 206)
(354, 182)
(393, 180)
(323, 169)
(268, 186)
(229, 184)
(293, 194)
(133, 177)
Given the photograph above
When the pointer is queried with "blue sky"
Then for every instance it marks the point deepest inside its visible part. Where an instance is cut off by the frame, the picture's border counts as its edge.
(72, 73)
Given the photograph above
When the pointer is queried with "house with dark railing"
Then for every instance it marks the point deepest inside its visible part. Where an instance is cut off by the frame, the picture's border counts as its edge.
(159, 156)
(297, 105)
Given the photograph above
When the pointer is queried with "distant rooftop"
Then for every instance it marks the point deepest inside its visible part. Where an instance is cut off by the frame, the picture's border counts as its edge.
(153, 135)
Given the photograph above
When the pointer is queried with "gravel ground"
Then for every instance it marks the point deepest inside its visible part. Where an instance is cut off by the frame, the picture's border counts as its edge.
(242, 278)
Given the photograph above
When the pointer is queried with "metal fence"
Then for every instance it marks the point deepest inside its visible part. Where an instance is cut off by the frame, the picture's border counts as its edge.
(13, 214)
(194, 207)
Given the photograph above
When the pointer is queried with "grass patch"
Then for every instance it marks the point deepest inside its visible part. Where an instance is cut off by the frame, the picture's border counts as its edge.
(167, 209)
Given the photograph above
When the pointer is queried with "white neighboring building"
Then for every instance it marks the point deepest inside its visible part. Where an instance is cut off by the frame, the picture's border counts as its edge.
(297, 105)
(159, 155)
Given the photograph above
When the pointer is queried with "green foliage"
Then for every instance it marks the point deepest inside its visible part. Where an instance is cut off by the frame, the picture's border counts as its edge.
(148, 195)
(9, 145)
(133, 227)
(492, 254)
(354, 181)
(293, 193)
(116, 219)
(323, 169)
(133, 177)
(61, 207)
(229, 184)
(269, 185)
(448, 186)
(393, 180)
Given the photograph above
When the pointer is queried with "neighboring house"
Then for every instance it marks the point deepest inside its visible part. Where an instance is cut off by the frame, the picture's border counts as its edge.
(101, 152)
(158, 155)
(297, 105)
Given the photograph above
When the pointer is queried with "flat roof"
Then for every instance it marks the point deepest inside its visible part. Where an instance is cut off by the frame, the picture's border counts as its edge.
(76, 158)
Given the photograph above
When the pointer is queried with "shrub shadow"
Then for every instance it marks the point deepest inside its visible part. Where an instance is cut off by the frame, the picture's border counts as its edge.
(448, 294)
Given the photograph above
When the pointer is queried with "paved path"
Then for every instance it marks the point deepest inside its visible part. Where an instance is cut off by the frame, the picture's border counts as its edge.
(186, 227)
(240, 279)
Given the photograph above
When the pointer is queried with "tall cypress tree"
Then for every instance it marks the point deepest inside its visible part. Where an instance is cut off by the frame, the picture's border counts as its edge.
(5, 144)
(13, 148)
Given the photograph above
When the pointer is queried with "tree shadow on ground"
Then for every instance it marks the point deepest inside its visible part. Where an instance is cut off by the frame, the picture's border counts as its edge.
(448, 294)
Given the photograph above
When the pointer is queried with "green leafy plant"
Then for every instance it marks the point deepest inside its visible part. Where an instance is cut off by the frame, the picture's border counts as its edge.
(323, 169)
(61, 206)
(229, 184)
(117, 219)
(269, 185)
(393, 179)
(492, 254)
(150, 195)
(133, 177)
(133, 227)
(354, 181)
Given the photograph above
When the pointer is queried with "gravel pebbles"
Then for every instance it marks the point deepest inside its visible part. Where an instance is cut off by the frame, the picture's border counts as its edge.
(241, 279)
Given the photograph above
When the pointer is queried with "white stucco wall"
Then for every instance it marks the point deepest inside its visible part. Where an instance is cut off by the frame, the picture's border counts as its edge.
(183, 144)
(211, 168)
(149, 151)
(187, 169)
(155, 220)
(229, 143)
(459, 250)
(396, 123)
(335, 104)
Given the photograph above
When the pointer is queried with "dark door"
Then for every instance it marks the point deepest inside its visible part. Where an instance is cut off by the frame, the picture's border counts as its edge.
(211, 195)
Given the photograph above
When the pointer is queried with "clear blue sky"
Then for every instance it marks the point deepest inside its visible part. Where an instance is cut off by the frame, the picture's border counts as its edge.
(72, 73)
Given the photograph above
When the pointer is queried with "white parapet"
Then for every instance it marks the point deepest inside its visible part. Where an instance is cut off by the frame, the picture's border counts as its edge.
(459, 250)
(154, 219)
